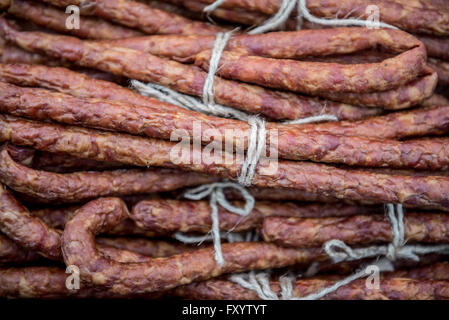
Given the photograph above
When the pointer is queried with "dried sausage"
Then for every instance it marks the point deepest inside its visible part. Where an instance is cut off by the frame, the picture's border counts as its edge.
(161, 273)
(354, 230)
(356, 185)
(79, 186)
(293, 142)
(139, 15)
(194, 216)
(52, 18)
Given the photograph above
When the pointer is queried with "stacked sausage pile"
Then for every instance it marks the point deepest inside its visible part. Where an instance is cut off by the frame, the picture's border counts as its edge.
(84, 155)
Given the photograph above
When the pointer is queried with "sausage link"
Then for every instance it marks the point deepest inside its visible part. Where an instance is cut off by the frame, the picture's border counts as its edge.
(442, 69)
(294, 142)
(429, 19)
(55, 19)
(184, 78)
(354, 230)
(160, 273)
(57, 218)
(235, 15)
(435, 100)
(148, 247)
(167, 216)
(11, 252)
(31, 233)
(389, 289)
(314, 77)
(79, 186)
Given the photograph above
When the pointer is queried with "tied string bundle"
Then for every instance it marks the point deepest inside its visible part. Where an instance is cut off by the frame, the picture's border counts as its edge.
(256, 143)
(338, 251)
(215, 192)
(260, 283)
(278, 20)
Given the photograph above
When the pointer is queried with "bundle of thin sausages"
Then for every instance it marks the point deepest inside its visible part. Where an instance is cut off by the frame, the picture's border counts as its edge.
(92, 178)
(428, 20)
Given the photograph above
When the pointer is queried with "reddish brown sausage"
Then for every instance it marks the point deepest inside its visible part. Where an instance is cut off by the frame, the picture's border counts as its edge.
(293, 143)
(353, 185)
(194, 216)
(148, 247)
(55, 19)
(57, 218)
(49, 283)
(315, 77)
(31, 233)
(183, 78)
(390, 289)
(354, 230)
(437, 47)
(162, 273)
(138, 15)
(79, 186)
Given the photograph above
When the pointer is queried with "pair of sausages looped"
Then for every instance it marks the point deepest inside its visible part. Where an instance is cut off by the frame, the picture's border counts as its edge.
(163, 273)
(249, 58)
(32, 234)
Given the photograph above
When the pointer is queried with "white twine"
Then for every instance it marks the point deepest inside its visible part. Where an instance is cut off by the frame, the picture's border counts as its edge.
(229, 236)
(256, 144)
(392, 251)
(257, 136)
(215, 192)
(338, 251)
(168, 95)
(312, 270)
(286, 9)
(278, 20)
(220, 43)
(260, 283)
